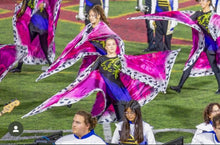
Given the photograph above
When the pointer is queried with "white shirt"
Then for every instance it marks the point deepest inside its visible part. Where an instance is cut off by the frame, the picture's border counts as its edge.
(203, 127)
(90, 138)
(206, 138)
(147, 131)
(217, 6)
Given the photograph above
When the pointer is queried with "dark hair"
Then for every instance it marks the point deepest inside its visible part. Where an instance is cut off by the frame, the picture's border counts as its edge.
(208, 111)
(89, 120)
(216, 120)
(110, 38)
(138, 123)
(99, 10)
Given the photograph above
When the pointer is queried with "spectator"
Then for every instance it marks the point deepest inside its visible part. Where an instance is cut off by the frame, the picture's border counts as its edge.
(133, 130)
(210, 137)
(210, 111)
(83, 131)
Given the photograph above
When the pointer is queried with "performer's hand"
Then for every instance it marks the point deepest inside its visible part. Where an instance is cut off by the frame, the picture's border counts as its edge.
(69, 88)
(41, 5)
(81, 16)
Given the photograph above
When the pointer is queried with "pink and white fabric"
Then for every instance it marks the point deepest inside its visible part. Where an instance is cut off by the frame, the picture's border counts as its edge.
(144, 76)
(35, 54)
(202, 66)
(9, 56)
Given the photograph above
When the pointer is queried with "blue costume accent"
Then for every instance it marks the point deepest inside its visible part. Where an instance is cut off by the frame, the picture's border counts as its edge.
(39, 21)
(87, 135)
(91, 3)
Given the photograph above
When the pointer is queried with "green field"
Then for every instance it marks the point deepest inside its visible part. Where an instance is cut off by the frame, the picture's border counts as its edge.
(170, 110)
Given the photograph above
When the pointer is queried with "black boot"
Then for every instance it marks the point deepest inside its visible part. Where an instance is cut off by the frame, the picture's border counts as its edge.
(218, 91)
(151, 47)
(18, 68)
(182, 81)
(176, 88)
(217, 75)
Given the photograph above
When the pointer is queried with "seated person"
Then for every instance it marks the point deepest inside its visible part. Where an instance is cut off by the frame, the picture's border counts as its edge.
(210, 137)
(133, 130)
(210, 111)
(83, 131)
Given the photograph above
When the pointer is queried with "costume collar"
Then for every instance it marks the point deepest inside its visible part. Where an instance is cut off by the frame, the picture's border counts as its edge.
(216, 139)
(85, 136)
(130, 122)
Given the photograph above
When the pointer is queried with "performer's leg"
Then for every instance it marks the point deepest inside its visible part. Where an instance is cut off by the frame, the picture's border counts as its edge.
(167, 38)
(159, 46)
(215, 69)
(44, 45)
(184, 77)
(150, 37)
(32, 34)
(18, 68)
(119, 110)
(20, 63)
(168, 42)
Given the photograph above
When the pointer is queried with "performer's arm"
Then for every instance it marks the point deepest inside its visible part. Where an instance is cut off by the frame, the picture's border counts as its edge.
(23, 8)
(116, 136)
(96, 64)
(81, 10)
(150, 135)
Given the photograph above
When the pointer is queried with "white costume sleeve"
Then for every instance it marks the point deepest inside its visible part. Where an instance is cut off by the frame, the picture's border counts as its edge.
(116, 135)
(173, 23)
(194, 139)
(149, 135)
(153, 10)
(81, 15)
(106, 7)
(218, 8)
(140, 5)
(175, 5)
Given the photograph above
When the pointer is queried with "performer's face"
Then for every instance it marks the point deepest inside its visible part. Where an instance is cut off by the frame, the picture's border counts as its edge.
(204, 3)
(79, 127)
(130, 115)
(94, 18)
(215, 111)
(111, 46)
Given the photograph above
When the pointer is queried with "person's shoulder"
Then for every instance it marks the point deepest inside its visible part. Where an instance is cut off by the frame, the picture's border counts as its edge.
(98, 139)
(205, 126)
(119, 123)
(147, 125)
(64, 139)
(206, 138)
